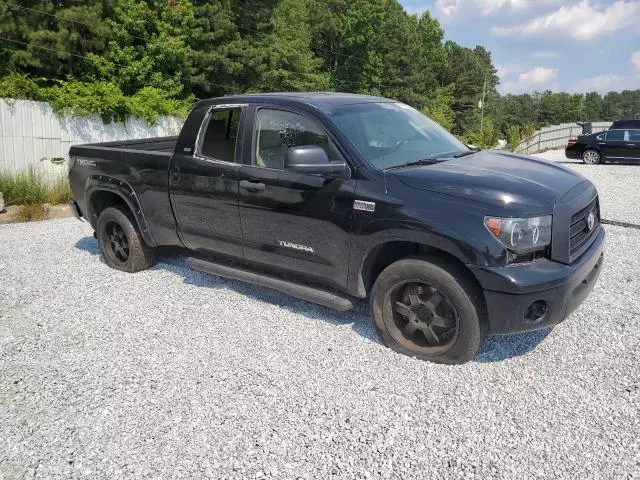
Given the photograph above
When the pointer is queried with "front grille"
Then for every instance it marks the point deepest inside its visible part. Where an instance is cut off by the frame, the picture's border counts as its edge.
(580, 236)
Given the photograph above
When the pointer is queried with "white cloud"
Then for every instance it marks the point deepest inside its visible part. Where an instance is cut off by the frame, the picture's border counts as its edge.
(582, 21)
(411, 10)
(538, 75)
(546, 54)
(635, 60)
(508, 69)
(448, 7)
(607, 83)
(535, 79)
(486, 7)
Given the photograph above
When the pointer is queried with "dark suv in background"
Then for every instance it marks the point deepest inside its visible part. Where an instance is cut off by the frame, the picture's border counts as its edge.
(633, 124)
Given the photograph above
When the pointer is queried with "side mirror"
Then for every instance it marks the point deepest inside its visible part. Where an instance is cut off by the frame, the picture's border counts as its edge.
(312, 160)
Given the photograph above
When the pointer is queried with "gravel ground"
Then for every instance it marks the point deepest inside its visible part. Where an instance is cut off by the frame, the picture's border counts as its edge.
(171, 373)
(612, 179)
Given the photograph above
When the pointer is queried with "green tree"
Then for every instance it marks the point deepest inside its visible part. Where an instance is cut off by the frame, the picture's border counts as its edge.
(148, 45)
(439, 106)
(288, 62)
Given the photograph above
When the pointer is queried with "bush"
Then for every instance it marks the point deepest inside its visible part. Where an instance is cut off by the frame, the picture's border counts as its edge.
(85, 99)
(60, 192)
(23, 189)
(73, 97)
(33, 212)
(28, 189)
(19, 86)
(150, 103)
(514, 137)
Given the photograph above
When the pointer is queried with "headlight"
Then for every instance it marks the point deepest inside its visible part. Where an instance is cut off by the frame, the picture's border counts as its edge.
(521, 235)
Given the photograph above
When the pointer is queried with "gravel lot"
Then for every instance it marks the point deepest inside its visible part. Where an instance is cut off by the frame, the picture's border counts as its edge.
(171, 373)
(617, 185)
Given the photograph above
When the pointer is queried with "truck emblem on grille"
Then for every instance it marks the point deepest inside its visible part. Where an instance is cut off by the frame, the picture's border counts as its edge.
(591, 221)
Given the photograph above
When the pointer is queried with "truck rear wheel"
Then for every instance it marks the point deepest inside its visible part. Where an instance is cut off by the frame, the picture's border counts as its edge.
(428, 309)
(120, 242)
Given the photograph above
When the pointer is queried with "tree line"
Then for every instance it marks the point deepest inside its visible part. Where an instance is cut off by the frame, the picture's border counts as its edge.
(152, 57)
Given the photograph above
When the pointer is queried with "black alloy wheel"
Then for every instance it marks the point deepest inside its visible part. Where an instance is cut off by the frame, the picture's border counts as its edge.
(423, 317)
(118, 242)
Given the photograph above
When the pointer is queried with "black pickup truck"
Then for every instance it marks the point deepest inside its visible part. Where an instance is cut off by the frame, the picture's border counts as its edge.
(335, 197)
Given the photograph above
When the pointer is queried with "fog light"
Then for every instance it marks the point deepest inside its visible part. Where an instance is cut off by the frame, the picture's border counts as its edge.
(536, 311)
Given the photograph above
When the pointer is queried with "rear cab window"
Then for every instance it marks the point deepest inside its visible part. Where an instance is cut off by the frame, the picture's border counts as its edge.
(220, 135)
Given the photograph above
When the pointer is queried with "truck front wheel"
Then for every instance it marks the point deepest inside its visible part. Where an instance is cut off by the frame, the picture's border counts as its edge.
(428, 309)
(120, 242)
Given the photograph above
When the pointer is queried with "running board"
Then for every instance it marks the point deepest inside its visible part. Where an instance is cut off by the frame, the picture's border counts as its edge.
(304, 292)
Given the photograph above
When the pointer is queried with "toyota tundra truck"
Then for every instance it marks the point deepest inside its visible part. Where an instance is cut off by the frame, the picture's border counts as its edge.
(333, 197)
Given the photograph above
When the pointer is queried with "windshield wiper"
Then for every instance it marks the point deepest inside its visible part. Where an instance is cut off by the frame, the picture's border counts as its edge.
(422, 161)
(466, 152)
(436, 158)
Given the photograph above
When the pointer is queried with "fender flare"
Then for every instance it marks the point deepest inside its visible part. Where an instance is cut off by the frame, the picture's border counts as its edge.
(436, 241)
(122, 188)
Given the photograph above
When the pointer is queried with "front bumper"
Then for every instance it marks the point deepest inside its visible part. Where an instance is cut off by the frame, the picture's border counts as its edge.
(509, 291)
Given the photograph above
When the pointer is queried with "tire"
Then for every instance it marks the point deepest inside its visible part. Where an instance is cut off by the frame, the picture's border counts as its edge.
(117, 223)
(425, 275)
(591, 157)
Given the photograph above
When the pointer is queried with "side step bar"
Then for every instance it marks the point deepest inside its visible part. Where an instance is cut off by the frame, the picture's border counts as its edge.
(304, 292)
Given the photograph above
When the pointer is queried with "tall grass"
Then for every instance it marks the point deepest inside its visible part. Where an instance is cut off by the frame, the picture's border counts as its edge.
(27, 188)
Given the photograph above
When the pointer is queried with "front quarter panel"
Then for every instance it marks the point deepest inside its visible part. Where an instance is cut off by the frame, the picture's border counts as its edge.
(443, 222)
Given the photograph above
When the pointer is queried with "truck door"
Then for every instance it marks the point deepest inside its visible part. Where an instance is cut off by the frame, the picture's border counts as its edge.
(293, 221)
(204, 184)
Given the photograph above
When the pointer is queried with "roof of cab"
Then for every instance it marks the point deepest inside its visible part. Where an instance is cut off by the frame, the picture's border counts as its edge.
(321, 100)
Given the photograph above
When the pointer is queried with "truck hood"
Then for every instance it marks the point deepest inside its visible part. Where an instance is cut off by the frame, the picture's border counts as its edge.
(516, 183)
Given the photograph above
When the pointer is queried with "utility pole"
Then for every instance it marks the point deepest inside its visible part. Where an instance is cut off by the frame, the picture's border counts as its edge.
(484, 91)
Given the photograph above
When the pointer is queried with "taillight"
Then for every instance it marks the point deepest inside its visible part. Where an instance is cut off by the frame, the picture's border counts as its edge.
(571, 142)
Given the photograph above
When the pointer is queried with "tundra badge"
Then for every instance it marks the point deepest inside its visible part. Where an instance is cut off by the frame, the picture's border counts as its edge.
(295, 246)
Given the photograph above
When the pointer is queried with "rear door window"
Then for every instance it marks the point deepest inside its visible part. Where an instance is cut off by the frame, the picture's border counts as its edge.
(220, 135)
(615, 136)
(634, 135)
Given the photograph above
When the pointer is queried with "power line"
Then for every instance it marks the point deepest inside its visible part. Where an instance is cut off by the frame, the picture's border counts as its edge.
(234, 89)
(229, 16)
(57, 17)
(62, 52)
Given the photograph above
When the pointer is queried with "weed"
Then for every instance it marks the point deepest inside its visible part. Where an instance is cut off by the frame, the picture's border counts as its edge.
(32, 212)
(27, 188)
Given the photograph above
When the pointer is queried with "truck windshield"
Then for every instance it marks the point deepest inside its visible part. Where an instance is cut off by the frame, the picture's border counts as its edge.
(394, 134)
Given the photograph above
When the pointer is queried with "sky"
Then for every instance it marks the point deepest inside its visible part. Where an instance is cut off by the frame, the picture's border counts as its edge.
(560, 45)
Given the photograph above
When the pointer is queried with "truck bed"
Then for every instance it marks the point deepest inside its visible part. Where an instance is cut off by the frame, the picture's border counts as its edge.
(155, 144)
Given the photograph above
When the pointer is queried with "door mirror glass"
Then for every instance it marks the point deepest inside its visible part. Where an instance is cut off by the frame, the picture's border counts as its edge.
(312, 160)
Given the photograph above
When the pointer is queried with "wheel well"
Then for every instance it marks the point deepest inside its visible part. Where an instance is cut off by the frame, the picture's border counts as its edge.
(103, 199)
(384, 255)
